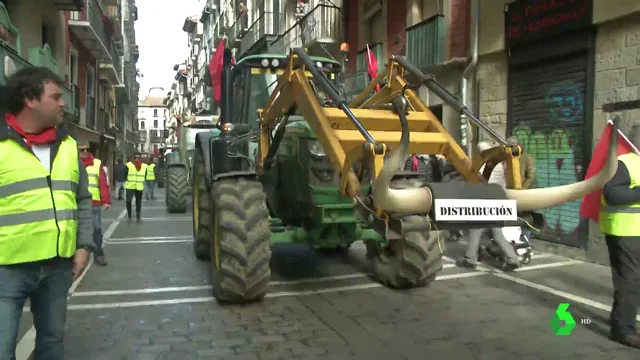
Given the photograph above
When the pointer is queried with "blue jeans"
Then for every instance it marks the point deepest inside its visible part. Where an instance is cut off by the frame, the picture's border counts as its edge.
(150, 185)
(46, 284)
(97, 231)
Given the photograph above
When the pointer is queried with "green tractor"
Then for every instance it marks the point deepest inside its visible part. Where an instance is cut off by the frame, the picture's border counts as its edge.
(178, 164)
(238, 214)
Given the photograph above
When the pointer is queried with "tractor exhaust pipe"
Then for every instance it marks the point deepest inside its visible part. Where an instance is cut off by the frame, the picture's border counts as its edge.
(420, 200)
(226, 89)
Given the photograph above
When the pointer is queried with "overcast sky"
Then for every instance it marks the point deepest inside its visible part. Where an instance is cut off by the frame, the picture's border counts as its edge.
(160, 39)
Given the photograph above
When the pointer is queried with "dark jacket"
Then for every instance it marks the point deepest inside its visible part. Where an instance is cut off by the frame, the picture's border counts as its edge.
(120, 172)
(617, 191)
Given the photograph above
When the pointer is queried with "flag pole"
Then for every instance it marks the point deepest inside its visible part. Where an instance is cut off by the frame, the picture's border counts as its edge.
(635, 149)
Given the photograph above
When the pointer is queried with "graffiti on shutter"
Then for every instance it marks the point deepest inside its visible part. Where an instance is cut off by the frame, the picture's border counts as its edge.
(549, 118)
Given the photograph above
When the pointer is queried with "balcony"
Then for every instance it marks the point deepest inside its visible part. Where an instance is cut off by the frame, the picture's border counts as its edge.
(89, 26)
(112, 10)
(262, 32)
(111, 70)
(122, 91)
(64, 5)
(321, 32)
(425, 42)
(90, 111)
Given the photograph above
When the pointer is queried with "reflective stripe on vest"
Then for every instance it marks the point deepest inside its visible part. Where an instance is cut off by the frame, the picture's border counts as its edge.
(151, 175)
(623, 220)
(94, 176)
(38, 209)
(135, 178)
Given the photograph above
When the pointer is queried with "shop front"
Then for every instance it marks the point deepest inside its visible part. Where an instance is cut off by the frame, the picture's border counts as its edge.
(550, 99)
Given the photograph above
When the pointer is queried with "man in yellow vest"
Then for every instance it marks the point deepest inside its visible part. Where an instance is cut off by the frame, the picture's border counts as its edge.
(150, 179)
(45, 212)
(620, 223)
(136, 171)
(100, 196)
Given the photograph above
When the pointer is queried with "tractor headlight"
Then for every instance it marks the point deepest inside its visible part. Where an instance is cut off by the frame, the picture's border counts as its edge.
(265, 62)
(275, 62)
(315, 148)
(227, 127)
(319, 65)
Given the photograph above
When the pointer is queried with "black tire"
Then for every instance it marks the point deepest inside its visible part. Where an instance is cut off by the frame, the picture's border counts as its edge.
(241, 239)
(176, 189)
(413, 261)
(202, 216)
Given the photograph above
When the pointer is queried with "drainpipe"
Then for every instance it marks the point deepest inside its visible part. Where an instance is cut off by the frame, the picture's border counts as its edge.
(467, 136)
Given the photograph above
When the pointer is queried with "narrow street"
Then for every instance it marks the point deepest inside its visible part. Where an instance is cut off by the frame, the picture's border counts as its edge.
(153, 301)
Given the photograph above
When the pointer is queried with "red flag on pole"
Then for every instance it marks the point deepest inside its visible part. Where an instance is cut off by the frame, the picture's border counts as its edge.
(372, 67)
(590, 205)
(215, 70)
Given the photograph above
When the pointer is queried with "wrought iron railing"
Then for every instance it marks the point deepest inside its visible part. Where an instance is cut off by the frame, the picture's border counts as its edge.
(322, 23)
(93, 14)
(425, 42)
(267, 24)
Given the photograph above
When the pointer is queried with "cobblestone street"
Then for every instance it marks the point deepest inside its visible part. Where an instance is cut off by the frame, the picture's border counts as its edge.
(153, 301)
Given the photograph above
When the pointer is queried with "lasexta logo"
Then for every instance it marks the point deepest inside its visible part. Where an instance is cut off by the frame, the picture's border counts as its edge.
(562, 322)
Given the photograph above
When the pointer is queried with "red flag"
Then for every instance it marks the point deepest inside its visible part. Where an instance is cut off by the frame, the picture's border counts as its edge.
(372, 67)
(215, 70)
(590, 205)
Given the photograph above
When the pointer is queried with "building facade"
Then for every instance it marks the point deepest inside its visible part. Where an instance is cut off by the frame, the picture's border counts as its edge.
(83, 42)
(152, 116)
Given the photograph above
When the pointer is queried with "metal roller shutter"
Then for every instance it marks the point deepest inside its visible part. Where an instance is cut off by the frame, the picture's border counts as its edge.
(548, 114)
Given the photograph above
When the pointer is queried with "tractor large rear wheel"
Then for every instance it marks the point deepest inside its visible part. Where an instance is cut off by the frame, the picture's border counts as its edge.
(241, 241)
(176, 192)
(413, 261)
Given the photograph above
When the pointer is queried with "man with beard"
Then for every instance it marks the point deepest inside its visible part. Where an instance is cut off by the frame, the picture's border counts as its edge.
(45, 217)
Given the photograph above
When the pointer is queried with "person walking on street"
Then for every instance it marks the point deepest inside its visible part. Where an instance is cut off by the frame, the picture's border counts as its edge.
(470, 259)
(150, 179)
(46, 221)
(527, 173)
(619, 222)
(136, 171)
(100, 196)
(120, 174)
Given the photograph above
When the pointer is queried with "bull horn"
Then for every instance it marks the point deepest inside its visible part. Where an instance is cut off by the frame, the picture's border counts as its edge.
(534, 199)
(407, 201)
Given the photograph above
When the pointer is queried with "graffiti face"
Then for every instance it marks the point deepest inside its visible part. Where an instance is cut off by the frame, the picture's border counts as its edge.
(565, 103)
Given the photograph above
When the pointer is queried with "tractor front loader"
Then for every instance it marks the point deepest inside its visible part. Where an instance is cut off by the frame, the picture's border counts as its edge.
(231, 210)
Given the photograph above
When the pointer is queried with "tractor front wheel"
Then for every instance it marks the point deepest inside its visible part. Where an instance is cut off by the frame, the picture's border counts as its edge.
(241, 240)
(413, 261)
(176, 192)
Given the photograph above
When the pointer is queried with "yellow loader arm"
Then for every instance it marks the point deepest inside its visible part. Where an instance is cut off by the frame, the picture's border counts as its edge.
(365, 129)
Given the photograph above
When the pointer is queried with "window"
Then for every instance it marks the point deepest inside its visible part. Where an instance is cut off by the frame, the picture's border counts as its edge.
(159, 133)
(155, 124)
(142, 125)
(155, 112)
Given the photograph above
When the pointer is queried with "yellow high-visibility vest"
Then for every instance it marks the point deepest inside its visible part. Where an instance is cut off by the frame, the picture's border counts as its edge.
(94, 175)
(151, 175)
(135, 178)
(38, 208)
(623, 220)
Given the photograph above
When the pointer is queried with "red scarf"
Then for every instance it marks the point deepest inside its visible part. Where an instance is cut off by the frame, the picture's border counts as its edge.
(47, 136)
(88, 161)
(138, 164)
